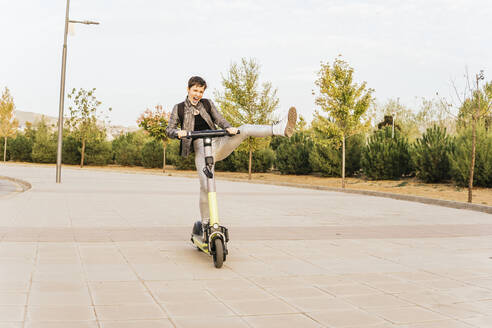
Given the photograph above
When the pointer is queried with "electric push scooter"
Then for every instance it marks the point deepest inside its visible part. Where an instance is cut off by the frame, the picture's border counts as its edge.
(211, 238)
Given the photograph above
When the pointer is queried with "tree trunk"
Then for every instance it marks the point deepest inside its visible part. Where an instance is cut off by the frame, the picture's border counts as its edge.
(5, 150)
(343, 160)
(164, 157)
(82, 153)
(472, 164)
(249, 165)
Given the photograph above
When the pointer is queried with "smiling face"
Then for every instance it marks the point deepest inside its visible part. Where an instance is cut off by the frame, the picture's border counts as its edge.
(195, 93)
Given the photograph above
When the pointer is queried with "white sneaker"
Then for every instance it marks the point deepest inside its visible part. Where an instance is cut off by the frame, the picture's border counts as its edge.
(287, 125)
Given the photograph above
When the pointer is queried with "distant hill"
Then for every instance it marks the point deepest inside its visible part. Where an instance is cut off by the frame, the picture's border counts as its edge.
(23, 117)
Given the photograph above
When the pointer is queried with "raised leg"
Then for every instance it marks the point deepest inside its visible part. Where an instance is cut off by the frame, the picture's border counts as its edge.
(224, 146)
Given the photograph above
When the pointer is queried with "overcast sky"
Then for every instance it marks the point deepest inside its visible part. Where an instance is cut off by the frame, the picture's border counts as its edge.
(143, 52)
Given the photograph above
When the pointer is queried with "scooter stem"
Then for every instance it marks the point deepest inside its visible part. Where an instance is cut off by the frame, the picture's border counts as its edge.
(212, 196)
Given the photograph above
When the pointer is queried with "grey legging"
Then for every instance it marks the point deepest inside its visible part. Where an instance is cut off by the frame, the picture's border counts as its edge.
(221, 148)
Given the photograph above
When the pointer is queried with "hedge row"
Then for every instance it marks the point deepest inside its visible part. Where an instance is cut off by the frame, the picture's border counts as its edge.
(434, 157)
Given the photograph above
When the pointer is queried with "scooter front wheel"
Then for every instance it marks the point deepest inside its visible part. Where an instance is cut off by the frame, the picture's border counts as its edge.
(219, 253)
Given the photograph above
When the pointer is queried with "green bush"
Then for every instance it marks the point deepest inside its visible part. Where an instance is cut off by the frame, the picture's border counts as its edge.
(262, 160)
(354, 146)
(127, 148)
(44, 150)
(385, 157)
(98, 152)
(430, 155)
(44, 147)
(152, 154)
(71, 150)
(186, 163)
(20, 148)
(326, 159)
(173, 157)
(460, 158)
(292, 154)
(172, 152)
(275, 142)
(227, 164)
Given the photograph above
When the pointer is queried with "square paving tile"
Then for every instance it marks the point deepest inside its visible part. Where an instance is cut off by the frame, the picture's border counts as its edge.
(323, 303)
(218, 322)
(349, 289)
(441, 324)
(428, 298)
(121, 297)
(376, 300)
(197, 309)
(164, 323)
(116, 286)
(37, 298)
(327, 279)
(109, 272)
(174, 296)
(282, 321)
(481, 322)
(176, 285)
(346, 318)
(18, 286)
(297, 292)
(129, 312)
(279, 282)
(408, 315)
(161, 272)
(457, 311)
(12, 298)
(241, 294)
(58, 277)
(256, 307)
(62, 324)
(12, 313)
(60, 313)
(11, 325)
(398, 287)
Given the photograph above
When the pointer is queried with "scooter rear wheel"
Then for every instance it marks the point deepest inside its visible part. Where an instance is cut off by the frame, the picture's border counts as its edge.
(219, 253)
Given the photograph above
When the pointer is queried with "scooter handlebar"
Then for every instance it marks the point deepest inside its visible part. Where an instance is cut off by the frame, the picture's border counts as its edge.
(208, 133)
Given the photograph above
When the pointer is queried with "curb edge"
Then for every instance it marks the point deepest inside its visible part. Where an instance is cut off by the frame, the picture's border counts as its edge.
(23, 184)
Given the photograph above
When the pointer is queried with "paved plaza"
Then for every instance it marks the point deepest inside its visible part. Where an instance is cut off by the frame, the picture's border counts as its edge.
(112, 250)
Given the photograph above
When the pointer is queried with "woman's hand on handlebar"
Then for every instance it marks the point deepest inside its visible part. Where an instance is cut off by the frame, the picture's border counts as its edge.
(231, 131)
(182, 133)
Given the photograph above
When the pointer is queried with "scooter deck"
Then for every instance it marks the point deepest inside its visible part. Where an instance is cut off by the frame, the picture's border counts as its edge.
(198, 242)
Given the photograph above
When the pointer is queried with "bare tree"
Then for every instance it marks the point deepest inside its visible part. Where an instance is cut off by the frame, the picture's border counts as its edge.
(474, 104)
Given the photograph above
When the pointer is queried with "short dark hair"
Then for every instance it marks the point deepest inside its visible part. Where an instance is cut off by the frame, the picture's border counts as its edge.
(196, 80)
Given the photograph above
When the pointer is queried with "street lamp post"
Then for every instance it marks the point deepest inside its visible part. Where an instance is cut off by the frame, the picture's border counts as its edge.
(393, 118)
(62, 90)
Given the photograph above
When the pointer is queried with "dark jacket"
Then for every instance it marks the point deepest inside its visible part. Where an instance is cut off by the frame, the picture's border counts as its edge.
(188, 124)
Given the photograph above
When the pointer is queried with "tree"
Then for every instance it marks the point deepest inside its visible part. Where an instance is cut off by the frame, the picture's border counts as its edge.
(8, 124)
(242, 102)
(475, 107)
(155, 124)
(345, 102)
(292, 154)
(386, 155)
(413, 123)
(460, 157)
(44, 147)
(430, 155)
(84, 117)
